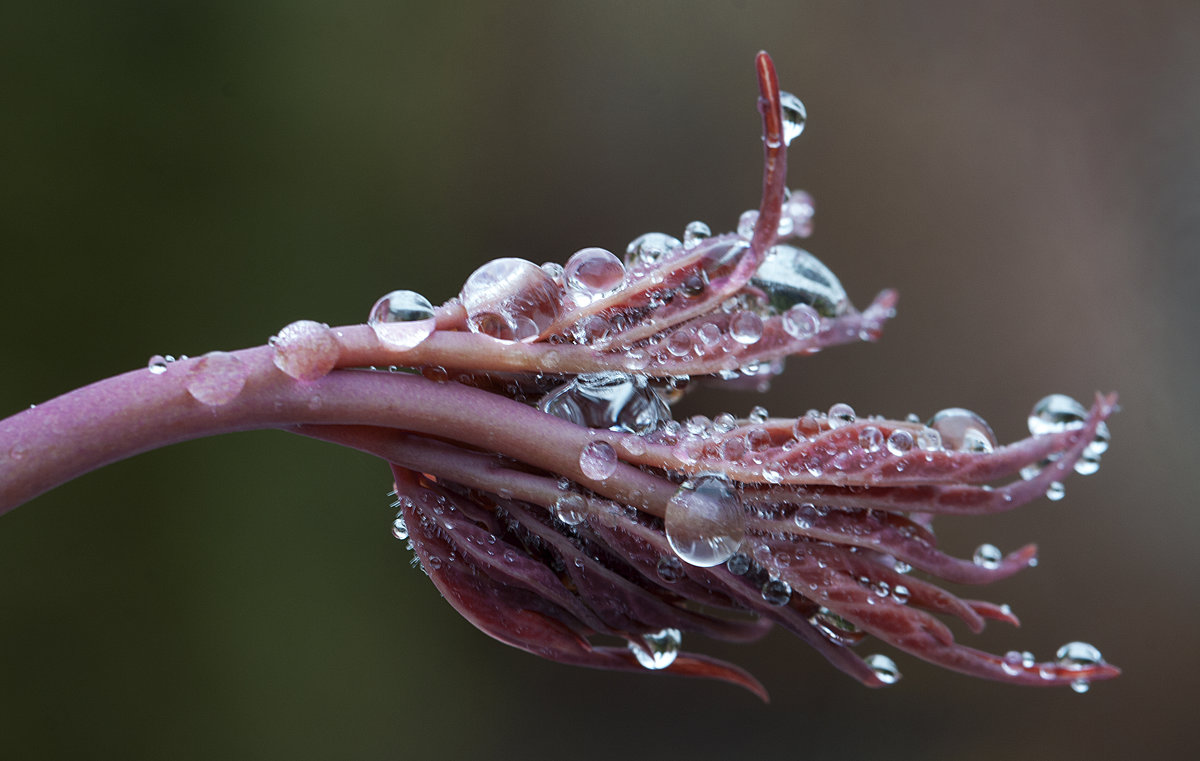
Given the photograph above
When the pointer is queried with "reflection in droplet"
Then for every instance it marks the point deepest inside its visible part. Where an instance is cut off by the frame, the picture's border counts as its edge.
(658, 650)
(402, 319)
(791, 276)
(510, 299)
(705, 522)
(794, 116)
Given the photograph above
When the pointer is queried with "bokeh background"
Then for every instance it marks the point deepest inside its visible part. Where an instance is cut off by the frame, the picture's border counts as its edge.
(182, 177)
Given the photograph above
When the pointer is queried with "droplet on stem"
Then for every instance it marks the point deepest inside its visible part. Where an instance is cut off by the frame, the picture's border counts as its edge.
(402, 319)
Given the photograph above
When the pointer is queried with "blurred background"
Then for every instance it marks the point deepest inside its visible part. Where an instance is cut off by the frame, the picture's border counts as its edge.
(184, 177)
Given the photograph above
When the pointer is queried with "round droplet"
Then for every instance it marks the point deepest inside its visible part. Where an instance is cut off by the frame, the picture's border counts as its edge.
(794, 116)
(870, 439)
(694, 233)
(791, 275)
(306, 350)
(598, 460)
(510, 299)
(705, 522)
(1012, 663)
(801, 321)
(988, 556)
(929, 440)
(884, 667)
(1077, 656)
(746, 223)
(776, 592)
(157, 364)
(657, 650)
(1087, 464)
(841, 414)
(670, 569)
(1056, 413)
(593, 273)
(900, 441)
(613, 400)
(738, 564)
(680, 343)
(571, 509)
(402, 319)
(963, 431)
(649, 248)
(758, 414)
(217, 378)
(1081, 685)
(1055, 491)
(746, 328)
(399, 528)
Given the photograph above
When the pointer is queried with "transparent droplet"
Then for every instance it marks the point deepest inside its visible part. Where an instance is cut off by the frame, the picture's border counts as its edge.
(963, 431)
(791, 276)
(884, 667)
(988, 556)
(870, 439)
(1087, 464)
(598, 460)
(833, 627)
(649, 248)
(705, 523)
(570, 508)
(217, 378)
(680, 343)
(746, 328)
(1056, 413)
(657, 651)
(776, 592)
(510, 299)
(900, 441)
(1077, 656)
(1081, 685)
(746, 223)
(801, 321)
(929, 440)
(694, 233)
(841, 414)
(1055, 491)
(738, 564)
(399, 528)
(593, 273)
(402, 319)
(670, 569)
(758, 414)
(306, 350)
(612, 399)
(157, 364)
(1012, 663)
(794, 116)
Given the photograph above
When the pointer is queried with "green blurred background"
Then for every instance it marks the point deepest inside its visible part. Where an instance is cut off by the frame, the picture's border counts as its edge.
(181, 177)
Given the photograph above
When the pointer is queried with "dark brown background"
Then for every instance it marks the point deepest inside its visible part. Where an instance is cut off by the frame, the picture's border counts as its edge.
(178, 179)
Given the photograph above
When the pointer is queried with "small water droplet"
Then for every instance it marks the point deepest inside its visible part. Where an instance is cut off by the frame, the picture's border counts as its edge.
(598, 460)
(963, 431)
(216, 378)
(841, 414)
(1055, 491)
(1012, 663)
(612, 399)
(794, 116)
(670, 569)
(988, 556)
(649, 248)
(746, 223)
(758, 414)
(1081, 685)
(801, 321)
(1077, 656)
(570, 508)
(746, 327)
(157, 364)
(776, 592)
(738, 564)
(870, 439)
(306, 350)
(694, 233)
(1056, 413)
(704, 521)
(658, 650)
(402, 319)
(929, 440)
(884, 667)
(791, 276)
(593, 273)
(900, 441)
(510, 299)
(399, 528)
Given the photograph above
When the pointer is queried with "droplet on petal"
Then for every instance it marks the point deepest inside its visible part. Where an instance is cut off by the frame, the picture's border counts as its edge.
(649, 248)
(613, 400)
(884, 667)
(746, 327)
(1056, 413)
(705, 522)
(794, 116)
(657, 650)
(593, 273)
(217, 378)
(988, 556)
(598, 460)
(694, 233)
(791, 276)
(402, 319)
(157, 364)
(963, 431)
(510, 299)
(801, 321)
(306, 350)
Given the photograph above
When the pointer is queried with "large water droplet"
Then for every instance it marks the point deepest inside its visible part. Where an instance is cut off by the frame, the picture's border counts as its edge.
(694, 233)
(963, 431)
(1056, 413)
(402, 319)
(746, 327)
(884, 667)
(791, 276)
(900, 441)
(794, 116)
(598, 460)
(306, 350)
(570, 508)
(1078, 656)
(217, 378)
(510, 299)
(776, 592)
(705, 522)
(648, 248)
(657, 650)
(613, 400)
(593, 273)
(840, 415)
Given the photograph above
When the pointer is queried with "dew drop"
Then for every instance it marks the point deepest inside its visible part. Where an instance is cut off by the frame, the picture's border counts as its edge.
(1055, 491)
(306, 350)
(571, 509)
(670, 569)
(1077, 656)
(704, 521)
(216, 378)
(746, 223)
(399, 528)
(658, 650)
(776, 592)
(649, 248)
(612, 399)
(794, 116)
(801, 321)
(758, 414)
(1081, 685)
(157, 364)
(402, 319)
(1012, 663)
(870, 439)
(598, 460)
(1056, 413)
(840, 415)
(884, 667)
(510, 299)
(746, 328)
(791, 276)
(593, 273)
(988, 556)
(738, 564)
(900, 441)
(929, 440)
(694, 233)
(963, 431)
(680, 343)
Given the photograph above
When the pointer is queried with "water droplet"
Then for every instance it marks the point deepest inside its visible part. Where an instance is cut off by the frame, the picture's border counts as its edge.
(670, 569)
(570, 508)
(988, 556)
(704, 521)
(217, 378)
(1055, 491)
(791, 276)
(306, 350)
(399, 528)
(833, 627)
(900, 441)
(598, 460)
(963, 431)
(694, 233)
(1012, 663)
(758, 414)
(884, 667)
(593, 273)
(649, 248)
(794, 116)
(841, 414)
(613, 400)
(157, 364)
(1056, 413)
(929, 440)
(746, 328)
(510, 299)
(724, 423)
(1077, 656)
(402, 319)
(1087, 464)
(801, 321)
(680, 343)
(746, 223)
(1081, 685)
(776, 592)
(870, 439)
(658, 650)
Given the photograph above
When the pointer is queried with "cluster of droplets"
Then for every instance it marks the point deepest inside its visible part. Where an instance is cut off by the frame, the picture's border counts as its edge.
(1058, 413)
(1073, 656)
